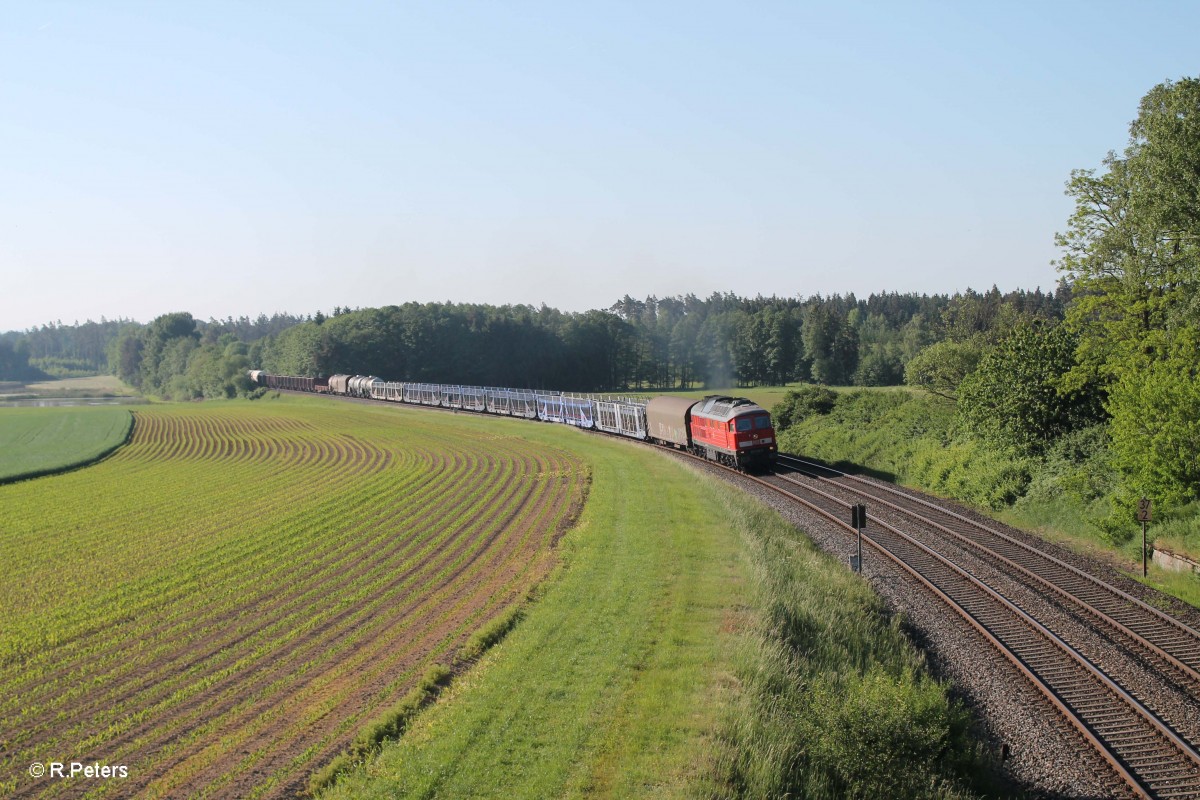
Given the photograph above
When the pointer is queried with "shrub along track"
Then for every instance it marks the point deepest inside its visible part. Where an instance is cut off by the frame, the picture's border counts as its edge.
(232, 596)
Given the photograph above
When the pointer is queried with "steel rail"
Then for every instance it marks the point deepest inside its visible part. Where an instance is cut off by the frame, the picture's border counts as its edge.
(1188, 670)
(1153, 779)
(1157, 613)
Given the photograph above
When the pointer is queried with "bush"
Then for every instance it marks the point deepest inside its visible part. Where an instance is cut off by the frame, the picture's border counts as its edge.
(912, 438)
(941, 366)
(800, 404)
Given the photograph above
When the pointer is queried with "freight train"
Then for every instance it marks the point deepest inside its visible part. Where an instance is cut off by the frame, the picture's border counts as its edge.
(728, 430)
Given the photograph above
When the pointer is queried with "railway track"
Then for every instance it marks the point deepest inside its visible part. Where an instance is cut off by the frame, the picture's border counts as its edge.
(1171, 645)
(1150, 756)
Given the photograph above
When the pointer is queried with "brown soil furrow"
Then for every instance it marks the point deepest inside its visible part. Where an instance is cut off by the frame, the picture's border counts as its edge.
(511, 570)
(291, 703)
(409, 613)
(231, 523)
(340, 478)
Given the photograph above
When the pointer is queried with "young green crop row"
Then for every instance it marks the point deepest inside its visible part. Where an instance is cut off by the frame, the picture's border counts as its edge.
(169, 604)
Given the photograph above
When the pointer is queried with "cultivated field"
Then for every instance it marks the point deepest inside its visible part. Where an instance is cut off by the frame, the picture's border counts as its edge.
(35, 441)
(224, 603)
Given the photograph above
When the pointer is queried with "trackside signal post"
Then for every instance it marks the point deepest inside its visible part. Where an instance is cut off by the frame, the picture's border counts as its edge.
(1145, 514)
(858, 519)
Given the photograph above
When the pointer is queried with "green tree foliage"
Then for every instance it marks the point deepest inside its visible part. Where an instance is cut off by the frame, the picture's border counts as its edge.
(68, 350)
(639, 344)
(1132, 247)
(14, 361)
(1012, 399)
(1156, 425)
(800, 404)
(831, 343)
(942, 367)
(1131, 252)
(171, 358)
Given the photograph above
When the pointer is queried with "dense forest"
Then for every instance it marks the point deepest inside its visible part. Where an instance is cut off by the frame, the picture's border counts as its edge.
(118, 347)
(654, 343)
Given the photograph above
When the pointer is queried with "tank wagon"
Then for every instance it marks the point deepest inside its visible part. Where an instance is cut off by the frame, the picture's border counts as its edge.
(362, 385)
(729, 430)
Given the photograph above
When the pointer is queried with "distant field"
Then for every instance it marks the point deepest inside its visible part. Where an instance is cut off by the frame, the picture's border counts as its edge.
(36, 441)
(94, 385)
(224, 604)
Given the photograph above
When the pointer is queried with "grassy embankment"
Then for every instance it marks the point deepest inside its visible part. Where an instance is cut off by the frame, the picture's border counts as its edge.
(690, 643)
(1065, 496)
(41, 441)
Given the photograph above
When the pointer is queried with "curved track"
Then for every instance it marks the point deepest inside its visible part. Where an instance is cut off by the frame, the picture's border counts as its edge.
(1151, 756)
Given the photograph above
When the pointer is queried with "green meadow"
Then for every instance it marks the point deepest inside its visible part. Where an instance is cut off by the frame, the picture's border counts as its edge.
(37, 441)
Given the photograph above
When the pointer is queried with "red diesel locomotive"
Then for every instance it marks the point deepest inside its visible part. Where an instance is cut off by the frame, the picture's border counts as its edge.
(730, 430)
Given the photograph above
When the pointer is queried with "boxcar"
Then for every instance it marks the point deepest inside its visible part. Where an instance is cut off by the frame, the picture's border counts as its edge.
(667, 420)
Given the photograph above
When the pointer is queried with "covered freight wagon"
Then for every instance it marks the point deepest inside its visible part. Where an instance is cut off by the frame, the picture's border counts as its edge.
(667, 419)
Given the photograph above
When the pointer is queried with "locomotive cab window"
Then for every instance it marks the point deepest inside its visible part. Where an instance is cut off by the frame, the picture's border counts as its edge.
(744, 423)
(762, 422)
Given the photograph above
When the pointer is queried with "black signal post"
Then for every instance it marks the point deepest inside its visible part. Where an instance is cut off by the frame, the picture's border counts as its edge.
(858, 519)
(1145, 512)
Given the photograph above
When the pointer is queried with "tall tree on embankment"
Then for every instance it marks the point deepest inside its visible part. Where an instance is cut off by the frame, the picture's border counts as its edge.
(1132, 256)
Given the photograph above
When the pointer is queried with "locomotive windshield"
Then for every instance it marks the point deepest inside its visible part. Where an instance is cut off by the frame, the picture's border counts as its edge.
(762, 422)
(744, 423)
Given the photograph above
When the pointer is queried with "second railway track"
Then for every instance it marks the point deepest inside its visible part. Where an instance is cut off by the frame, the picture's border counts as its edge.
(1125, 723)
(1167, 638)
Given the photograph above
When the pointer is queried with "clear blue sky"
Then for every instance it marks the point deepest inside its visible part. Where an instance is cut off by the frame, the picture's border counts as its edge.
(237, 158)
